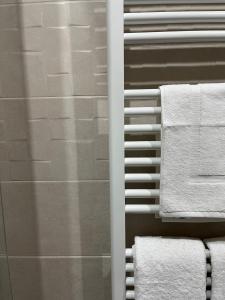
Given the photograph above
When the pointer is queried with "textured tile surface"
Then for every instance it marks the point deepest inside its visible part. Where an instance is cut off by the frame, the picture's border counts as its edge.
(53, 128)
(60, 218)
(52, 49)
(53, 139)
(68, 278)
(5, 286)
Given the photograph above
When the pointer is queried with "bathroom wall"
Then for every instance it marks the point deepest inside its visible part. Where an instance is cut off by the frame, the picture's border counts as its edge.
(53, 141)
(53, 148)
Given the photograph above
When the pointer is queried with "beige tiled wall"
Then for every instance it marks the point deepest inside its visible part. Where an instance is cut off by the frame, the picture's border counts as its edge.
(53, 141)
(53, 148)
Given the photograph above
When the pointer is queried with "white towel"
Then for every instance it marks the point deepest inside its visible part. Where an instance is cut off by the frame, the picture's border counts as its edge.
(217, 252)
(192, 183)
(169, 269)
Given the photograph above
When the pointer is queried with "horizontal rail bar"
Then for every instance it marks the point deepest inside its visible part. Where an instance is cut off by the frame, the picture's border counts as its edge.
(129, 267)
(142, 110)
(142, 145)
(175, 36)
(139, 2)
(142, 128)
(141, 193)
(174, 17)
(141, 177)
(130, 281)
(141, 209)
(129, 253)
(141, 93)
(142, 161)
(130, 295)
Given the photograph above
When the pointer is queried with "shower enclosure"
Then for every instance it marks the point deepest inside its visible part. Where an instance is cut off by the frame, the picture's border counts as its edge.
(5, 288)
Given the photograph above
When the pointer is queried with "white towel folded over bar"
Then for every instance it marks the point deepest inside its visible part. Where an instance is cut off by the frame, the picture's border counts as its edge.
(217, 253)
(193, 152)
(169, 268)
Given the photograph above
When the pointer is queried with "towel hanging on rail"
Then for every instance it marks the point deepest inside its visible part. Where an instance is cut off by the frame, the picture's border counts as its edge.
(193, 152)
(169, 268)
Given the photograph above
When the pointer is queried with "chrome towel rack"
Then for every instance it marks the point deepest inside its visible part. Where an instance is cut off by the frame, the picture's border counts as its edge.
(118, 97)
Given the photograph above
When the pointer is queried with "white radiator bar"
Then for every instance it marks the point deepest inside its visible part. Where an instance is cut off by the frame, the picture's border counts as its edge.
(129, 253)
(142, 161)
(141, 193)
(129, 267)
(141, 177)
(141, 208)
(130, 295)
(174, 17)
(130, 281)
(142, 110)
(175, 36)
(141, 93)
(142, 145)
(142, 128)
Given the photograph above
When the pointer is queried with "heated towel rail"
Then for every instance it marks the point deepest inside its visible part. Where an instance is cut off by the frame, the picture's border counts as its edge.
(117, 39)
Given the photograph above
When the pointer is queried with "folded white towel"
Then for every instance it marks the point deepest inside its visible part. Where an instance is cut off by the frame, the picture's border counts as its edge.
(169, 269)
(192, 183)
(217, 252)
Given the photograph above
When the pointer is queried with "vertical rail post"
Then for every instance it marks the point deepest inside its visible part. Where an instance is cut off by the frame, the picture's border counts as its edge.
(115, 23)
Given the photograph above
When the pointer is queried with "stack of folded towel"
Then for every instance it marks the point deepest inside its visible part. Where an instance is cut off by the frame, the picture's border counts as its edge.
(176, 268)
(192, 182)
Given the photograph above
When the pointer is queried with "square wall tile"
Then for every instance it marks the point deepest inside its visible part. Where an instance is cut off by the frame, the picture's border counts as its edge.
(67, 278)
(56, 218)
